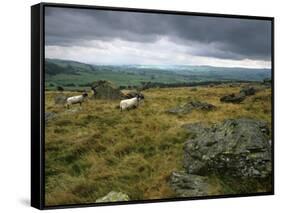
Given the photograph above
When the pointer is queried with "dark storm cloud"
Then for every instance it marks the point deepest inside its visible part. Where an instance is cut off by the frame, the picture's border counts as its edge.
(213, 37)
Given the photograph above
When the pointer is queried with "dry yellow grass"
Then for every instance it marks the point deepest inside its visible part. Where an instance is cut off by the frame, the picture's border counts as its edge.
(95, 149)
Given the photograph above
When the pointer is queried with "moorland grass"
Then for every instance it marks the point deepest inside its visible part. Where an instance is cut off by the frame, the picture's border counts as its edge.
(94, 149)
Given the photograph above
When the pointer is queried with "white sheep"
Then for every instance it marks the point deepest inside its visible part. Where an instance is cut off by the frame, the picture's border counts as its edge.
(76, 99)
(130, 103)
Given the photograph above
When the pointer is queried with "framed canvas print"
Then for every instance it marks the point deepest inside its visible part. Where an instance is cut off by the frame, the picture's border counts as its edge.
(139, 106)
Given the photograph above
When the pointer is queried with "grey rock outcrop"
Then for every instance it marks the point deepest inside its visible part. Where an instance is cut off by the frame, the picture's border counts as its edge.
(236, 147)
(188, 185)
(239, 97)
(234, 151)
(233, 98)
(191, 105)
(105, 90)
(247, 91)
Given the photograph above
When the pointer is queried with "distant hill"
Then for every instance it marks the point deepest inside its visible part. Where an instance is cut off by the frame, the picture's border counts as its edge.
(57, 66)
(66, 72)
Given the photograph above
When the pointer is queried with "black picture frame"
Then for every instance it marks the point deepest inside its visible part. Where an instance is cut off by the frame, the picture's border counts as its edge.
(38, 102)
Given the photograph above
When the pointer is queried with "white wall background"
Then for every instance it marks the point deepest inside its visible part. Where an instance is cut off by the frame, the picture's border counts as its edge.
(15, 105)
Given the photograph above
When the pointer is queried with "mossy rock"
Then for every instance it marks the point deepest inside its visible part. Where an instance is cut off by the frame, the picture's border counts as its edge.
(190, 106)
(233, 98)
(105, 90)
(188, 185)
(235, 147)
(248, 91)
(237, 152)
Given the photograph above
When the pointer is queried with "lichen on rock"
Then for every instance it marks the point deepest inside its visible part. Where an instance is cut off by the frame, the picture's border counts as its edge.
(236, 150)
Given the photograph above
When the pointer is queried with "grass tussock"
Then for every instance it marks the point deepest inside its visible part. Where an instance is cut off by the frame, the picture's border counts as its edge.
(94, 149)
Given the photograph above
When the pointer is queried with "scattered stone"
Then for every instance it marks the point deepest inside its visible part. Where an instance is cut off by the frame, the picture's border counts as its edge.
(238, 98)
(233, 98)
(200, 105)
(188, 185)
(192, 105)
(247, 91)
(114, 197)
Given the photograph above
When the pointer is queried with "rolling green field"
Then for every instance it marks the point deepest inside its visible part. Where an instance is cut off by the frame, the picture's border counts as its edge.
(75, 75)
(94, 149)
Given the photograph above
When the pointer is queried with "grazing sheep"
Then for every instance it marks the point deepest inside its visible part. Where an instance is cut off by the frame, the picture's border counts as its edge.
(76, 99)
(130, 103)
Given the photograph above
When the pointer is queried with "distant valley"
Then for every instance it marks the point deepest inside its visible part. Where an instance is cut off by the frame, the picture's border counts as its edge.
(74, 74)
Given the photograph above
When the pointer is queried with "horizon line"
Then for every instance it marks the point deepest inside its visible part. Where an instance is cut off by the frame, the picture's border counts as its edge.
(203, 65)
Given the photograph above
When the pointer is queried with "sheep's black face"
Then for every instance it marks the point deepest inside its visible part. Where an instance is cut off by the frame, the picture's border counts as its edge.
(85, 94)
(140, 96)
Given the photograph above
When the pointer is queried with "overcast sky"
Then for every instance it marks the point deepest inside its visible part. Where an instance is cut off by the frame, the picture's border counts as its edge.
(113, 37)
